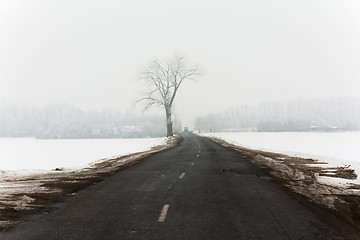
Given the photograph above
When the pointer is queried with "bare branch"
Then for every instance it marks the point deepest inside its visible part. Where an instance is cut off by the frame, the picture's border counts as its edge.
(166, 79)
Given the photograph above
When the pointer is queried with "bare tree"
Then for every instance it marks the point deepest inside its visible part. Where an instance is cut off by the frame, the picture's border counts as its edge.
(165, 79)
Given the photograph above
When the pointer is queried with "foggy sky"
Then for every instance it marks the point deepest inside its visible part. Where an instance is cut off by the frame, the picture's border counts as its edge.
(89, 53)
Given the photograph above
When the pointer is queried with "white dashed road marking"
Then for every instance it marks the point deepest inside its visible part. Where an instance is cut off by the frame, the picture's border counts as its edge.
(163, 213)
(182, 175)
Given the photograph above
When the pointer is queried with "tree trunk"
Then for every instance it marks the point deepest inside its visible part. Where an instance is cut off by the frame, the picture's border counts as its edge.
(169, 130)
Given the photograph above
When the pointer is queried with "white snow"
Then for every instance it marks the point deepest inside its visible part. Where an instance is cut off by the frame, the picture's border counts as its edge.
(335, 181)
(337, 149)
(29, 154)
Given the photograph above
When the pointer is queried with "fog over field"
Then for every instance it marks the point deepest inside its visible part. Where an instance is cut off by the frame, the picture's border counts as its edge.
(89, 88)
(87, 55)
(324, 115)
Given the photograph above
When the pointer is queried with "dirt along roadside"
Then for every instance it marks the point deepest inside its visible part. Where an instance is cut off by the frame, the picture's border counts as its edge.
(24, 194)
(328, 187)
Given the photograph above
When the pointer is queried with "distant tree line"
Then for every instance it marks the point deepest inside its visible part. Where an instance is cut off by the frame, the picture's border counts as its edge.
(337, 114)
(66, 121)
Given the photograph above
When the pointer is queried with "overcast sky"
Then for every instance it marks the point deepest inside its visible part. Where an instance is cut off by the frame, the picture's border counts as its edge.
(88, 53)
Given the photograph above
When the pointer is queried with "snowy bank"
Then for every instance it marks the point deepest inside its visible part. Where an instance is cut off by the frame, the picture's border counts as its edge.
(332, 187)
(26, 190)
(340, 149)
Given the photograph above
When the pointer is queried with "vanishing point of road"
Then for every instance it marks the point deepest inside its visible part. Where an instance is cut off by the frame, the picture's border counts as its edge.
(186, 192)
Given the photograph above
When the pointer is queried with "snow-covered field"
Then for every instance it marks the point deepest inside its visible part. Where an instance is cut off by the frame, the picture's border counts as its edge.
(27, 176)
(336, 149)
(36, 154)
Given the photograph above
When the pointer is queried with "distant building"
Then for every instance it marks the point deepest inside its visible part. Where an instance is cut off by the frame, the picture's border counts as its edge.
(132, 129)
(96, 132)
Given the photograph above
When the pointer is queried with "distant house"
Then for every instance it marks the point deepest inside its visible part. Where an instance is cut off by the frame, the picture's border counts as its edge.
(132, 129)
(115, 131)
(96, 132)
(324, 129)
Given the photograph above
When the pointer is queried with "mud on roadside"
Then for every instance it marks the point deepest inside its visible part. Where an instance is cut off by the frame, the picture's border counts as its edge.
(21, 195)
(302, 176)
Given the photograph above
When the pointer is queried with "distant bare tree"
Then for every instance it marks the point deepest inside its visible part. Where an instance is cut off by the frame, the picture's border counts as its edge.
(165, 79)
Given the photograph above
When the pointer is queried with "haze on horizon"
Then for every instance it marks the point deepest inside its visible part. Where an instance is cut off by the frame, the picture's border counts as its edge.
(89, 53)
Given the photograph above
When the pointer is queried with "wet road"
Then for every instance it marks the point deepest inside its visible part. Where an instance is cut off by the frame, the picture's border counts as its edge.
(197, 190)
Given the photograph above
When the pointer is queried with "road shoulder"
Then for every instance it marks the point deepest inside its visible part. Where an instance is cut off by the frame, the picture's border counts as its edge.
(22, 195)
(339, 205)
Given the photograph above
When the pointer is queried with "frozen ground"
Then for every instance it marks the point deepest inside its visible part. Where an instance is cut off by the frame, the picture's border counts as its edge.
(336, 149)
(31, 154)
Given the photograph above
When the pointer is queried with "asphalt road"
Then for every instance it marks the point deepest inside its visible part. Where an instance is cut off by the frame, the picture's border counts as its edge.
(197, 190)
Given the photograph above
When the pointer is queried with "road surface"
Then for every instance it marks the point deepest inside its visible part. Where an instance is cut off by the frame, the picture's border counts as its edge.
(197, 190)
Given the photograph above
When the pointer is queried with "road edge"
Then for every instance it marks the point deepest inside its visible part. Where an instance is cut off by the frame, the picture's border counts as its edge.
(48, 187)
(342, 202)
